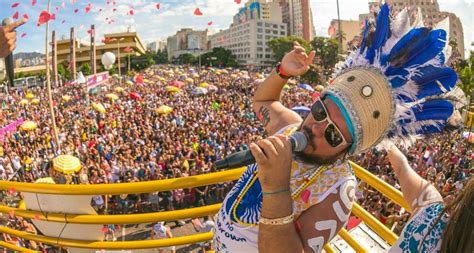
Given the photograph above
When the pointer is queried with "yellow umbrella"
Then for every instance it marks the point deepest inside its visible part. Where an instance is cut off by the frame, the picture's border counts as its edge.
(35, 101)
(164, 109)
(172, 88)
(119, 89)
(45, 180)
(28, 126)
(67, 164)
(98, 107)
(23, 102)
(66, 98)
(30, 96)
(189, 80)
(204, 85)
(196, 75)
(112, 96)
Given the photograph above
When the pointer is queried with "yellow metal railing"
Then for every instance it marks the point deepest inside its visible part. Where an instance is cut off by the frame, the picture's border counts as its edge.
(7, 245)
(166, 185)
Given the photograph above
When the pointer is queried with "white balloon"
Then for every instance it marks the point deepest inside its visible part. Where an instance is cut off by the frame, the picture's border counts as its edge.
(108, 59)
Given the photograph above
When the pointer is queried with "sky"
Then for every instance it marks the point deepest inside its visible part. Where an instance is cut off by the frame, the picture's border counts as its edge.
(154, 24)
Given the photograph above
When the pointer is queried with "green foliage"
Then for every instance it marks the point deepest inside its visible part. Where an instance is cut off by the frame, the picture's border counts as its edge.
(326, 53)
(186, 59)
(85, 69)
(219, 57)
(63, 71)
(113, 70)
(465, 69)
(161, 57)
(283, 45)
(314, 75)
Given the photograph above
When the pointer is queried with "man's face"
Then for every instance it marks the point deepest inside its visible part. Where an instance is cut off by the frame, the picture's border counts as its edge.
(318, 149)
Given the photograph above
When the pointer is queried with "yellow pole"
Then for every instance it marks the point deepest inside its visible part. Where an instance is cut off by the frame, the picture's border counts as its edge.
(374, 224)
(115, 219)
(351, 241)
(129, 188)
(146, 244)
(16, 248)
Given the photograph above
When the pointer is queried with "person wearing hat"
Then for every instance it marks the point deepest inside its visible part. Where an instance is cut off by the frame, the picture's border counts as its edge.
(393, 89)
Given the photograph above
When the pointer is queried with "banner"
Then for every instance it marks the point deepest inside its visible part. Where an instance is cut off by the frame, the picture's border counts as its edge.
(10, 127)
(96, 80)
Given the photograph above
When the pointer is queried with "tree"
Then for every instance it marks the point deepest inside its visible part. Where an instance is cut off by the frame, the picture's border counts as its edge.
(219, 56)
(326, 54)
(465, 71)
(63, 70)
(283, 45)
(161, 56)
(85, 69)
(186, 59)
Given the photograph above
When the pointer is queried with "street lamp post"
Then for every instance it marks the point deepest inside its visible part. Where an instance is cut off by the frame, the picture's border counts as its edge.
(118, 56)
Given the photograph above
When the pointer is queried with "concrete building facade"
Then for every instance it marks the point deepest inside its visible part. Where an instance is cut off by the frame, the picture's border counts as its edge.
(301, 19)
(350, 31)
(248, 38)
(156, 46)
(187, 41)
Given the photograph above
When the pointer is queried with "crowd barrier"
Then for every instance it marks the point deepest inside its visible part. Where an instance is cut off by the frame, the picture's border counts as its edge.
(165, 185)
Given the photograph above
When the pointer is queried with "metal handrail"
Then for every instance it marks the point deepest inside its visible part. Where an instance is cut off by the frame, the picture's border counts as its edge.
(16, 248)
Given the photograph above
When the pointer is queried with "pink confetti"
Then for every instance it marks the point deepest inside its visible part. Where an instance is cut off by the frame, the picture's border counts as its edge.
(305, 195)
(82, 27)
(158, 6)
(76, 10)
(131, 12)
(209, 23)
(64, 21)
(237, 1)
(33, 2)
(23, 35)
(15, 16)
(53, 16)
(14, 5)
(88, 8)
(197, 12)
(25, 16)
(114, 10)
(63, 5)
(89, 31)
(57, 8)
(100, 10)
(114, 3)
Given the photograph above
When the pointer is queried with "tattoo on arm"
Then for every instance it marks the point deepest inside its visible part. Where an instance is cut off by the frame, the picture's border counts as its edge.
(264, 115)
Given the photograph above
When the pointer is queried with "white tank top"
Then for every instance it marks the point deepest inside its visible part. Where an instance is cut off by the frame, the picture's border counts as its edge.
(160, 231)
(236, 228)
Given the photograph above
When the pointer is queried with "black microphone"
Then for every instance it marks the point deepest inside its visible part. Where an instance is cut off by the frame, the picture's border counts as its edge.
(243, 158)
(9, 59)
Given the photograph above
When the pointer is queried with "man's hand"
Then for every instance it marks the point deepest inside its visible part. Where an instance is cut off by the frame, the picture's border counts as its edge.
(273, 156)
(297, 62)
(8, 38)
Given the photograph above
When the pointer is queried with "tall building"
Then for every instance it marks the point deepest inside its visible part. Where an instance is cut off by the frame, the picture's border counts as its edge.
(156, 46)
(301, 19)
(187, 41)
(431, 17)
(247, 38)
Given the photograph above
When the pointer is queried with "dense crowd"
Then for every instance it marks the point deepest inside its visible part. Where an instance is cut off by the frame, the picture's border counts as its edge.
(133, 142)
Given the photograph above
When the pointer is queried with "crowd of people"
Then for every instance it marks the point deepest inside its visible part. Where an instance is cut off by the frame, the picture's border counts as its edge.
(132, 141)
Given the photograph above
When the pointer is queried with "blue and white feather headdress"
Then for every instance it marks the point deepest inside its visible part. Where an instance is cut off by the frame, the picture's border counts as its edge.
(395, 87)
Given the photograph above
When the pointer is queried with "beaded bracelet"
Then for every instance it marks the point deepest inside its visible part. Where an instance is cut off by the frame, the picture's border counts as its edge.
(275, 192)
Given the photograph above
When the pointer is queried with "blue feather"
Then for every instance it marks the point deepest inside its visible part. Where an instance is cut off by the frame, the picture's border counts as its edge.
(397, 81)
(437, 109)
(400, 74)
(430, 129)
(382, 32)
(417, 47)
(364, 38)
(430, 79)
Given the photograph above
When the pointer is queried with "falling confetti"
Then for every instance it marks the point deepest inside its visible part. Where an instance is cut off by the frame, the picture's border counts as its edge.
(15, 16)
(197, 12)
(23, 35)
(33, 2)
(76, 10)
(14, 5)
(88, 8)
(131, 12)
(209, 23)
(63, 5)
(89, 31)
(158, 6)
(64, 21)
(25, 16)
(114, 10)
(57, 8)
(237, 1)
(44, 17)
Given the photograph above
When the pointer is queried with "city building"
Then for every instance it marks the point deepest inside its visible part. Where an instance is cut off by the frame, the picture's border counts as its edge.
(431, 17)
(350, 32)
(156, 46)
(128, 43)
(187, 41)
(298, 17)
(258, 10)
(248, 40)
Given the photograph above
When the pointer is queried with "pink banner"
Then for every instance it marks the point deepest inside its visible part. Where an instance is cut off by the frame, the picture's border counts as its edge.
(96, 80)
(10, 127)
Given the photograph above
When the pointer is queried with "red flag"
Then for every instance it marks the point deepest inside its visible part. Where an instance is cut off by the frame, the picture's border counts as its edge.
(197, 12)
(331, 30)
(15, 16)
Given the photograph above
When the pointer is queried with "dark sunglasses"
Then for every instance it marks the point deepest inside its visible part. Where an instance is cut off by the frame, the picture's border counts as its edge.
(332, 133)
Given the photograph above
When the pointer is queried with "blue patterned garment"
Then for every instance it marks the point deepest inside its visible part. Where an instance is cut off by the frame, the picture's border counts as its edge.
(411, 238)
